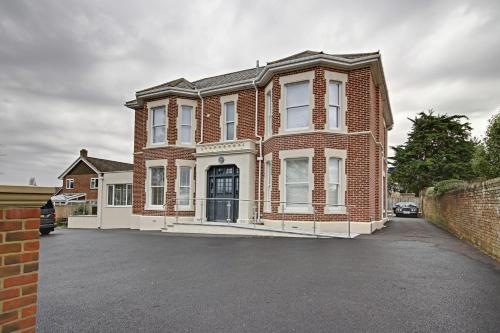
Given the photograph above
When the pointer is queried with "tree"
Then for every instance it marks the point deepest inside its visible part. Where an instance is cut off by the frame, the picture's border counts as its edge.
(438, 147)
(486, 162)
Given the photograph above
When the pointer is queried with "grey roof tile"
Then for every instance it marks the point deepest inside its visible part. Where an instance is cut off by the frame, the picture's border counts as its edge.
(108, 165)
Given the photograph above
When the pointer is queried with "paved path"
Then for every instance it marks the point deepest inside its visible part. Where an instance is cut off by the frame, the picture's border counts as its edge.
(410, 277)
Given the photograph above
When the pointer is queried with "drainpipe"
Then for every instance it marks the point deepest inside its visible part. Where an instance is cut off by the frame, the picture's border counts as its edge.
(100, 203)
(202, 117)
(260, 146)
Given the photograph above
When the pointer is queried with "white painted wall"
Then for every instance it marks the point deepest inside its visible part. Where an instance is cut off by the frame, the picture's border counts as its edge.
(83, 222)
(116, 217)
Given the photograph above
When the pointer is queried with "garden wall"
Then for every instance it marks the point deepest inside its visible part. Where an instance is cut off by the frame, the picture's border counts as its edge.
(19, 247)
(470, 212)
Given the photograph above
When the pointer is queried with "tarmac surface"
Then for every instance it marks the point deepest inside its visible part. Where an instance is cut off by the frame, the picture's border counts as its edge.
(409, 277)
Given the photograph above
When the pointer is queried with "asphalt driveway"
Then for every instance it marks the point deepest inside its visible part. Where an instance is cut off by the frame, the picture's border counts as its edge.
(410, 277)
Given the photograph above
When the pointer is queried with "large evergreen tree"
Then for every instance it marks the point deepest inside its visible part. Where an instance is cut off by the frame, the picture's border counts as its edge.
(486, 161)
(438, 147)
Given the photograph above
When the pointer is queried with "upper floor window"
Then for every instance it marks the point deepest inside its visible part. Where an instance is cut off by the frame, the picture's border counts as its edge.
(158, 124)
(157, 186)
(229, 121)
(186, 135)
(70, 184)
(334, 107)
(269, 114)
(297, 105)
(297, 182)
(94, 183)
(334, 178)
(120, 195)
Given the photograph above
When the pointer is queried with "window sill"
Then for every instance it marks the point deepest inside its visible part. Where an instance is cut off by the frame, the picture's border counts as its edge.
(296, 210)
(184, 209)
(153, 208)
(336, 210)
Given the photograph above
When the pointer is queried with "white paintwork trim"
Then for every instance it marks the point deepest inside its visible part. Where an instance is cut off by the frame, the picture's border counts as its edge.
(79, 159)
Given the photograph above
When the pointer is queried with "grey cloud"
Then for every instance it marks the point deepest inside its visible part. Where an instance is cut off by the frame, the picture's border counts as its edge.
(67, 67)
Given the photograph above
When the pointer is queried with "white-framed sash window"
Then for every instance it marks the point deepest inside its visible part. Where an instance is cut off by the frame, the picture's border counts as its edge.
(334, 179)
(297, 105)
(186, 124)
(158, 125)
(70, 183)
(334, 104)
(184, 186)
(268, 173)
(296, 182)
(268, 125)
(229, 121)
(157, 186)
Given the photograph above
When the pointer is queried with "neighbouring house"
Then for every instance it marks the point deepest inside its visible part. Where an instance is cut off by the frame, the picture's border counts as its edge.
(104, 185)
(300, 140)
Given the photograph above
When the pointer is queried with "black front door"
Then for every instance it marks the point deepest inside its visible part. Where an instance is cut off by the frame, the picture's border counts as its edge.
(223, 185)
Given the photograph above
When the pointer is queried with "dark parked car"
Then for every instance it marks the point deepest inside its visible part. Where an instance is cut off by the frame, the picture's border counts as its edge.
(47, 218)
(406, 209)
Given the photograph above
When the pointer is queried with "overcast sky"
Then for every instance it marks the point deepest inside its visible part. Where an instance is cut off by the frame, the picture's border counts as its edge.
(67, 67)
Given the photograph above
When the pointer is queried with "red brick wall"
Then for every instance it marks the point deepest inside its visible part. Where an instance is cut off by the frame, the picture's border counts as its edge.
(364, 155)
(81, 185)
(19, 247)
(471, 213)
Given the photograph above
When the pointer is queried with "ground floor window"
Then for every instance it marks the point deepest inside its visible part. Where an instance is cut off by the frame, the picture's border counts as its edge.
(157, 186)
(297, 182)
(334, 166)
(184, 186)
(120, 195)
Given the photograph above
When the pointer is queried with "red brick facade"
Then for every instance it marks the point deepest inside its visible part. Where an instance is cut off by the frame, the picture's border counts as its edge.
(19, 248)
(365, 143)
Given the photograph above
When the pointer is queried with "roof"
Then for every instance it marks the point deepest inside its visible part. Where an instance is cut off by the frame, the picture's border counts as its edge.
(99, 165)
(108, 165)
(245, 74)
(261, 75)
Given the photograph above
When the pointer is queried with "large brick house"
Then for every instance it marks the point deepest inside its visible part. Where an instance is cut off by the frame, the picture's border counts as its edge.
(301, 139)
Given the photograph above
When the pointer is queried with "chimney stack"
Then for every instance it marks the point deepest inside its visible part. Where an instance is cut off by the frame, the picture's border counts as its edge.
(83, 153)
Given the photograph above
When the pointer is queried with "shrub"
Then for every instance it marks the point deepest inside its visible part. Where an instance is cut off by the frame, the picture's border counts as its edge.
(448, 185)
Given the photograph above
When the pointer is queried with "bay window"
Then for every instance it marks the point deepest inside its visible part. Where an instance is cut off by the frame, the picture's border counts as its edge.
(334, 179)
(297, 105)
(334, 108)
(269, 114)
(229, 121)
(157, 186)
(297, 182)
(268, 186)
(184, 186)
(120, 195)
(158, 124)
(186, 135)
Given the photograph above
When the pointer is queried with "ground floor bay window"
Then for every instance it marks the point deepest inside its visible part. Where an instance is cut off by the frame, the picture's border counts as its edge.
(296, 181)
(155, 184)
